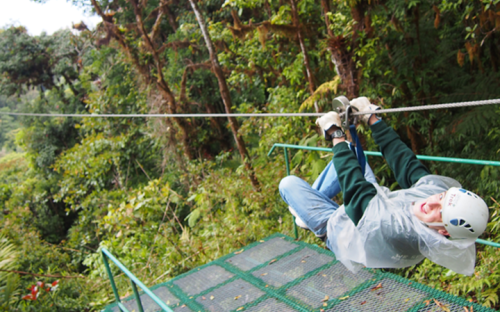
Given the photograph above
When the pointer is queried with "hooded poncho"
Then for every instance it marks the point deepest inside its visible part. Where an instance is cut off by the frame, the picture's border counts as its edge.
(390, 236)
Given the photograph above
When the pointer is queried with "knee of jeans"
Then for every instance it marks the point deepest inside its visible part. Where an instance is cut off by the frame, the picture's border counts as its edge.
(287, 183)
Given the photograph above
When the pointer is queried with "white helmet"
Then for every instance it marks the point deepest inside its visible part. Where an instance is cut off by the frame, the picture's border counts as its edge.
(465, 215)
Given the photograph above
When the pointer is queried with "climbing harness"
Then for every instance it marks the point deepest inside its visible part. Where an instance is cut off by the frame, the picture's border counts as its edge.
(357, 148)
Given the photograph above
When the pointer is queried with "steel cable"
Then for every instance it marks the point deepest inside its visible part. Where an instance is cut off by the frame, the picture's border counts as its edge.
(381, 111)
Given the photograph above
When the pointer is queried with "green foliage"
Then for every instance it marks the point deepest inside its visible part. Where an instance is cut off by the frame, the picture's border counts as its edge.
(38, 262)
(7, 126)
(124, 184)
(341, 23)
(39, 62)
(8, 262)
(323, 94)
(9, 292)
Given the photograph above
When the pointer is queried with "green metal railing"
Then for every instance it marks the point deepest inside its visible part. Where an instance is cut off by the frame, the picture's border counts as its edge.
(369, 153)
(134, 281)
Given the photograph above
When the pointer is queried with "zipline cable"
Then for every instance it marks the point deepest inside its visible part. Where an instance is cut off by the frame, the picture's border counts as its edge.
(433, 106)
(381, 111)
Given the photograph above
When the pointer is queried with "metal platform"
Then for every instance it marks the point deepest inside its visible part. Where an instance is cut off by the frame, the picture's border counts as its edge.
(279, 274)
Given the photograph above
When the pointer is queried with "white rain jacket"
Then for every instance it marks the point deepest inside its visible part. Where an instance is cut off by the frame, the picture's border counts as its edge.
(390, 236)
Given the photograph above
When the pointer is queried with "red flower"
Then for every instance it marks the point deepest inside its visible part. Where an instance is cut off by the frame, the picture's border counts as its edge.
(34, 293)
(29, 297)
(36, 288)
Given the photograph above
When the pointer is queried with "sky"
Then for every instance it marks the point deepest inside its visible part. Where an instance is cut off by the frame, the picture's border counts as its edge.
(49, 17)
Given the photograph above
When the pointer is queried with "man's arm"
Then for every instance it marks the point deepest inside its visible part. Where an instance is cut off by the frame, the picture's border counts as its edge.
(401, 159)
(356, 190)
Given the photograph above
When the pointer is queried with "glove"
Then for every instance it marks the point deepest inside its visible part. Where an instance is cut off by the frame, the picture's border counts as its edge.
(327, 121)
(363, 104)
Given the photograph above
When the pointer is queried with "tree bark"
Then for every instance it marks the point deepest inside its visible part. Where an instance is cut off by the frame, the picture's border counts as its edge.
(226, 97)
(160, 81)
(342, 57)
(310, 75)
(171, 17)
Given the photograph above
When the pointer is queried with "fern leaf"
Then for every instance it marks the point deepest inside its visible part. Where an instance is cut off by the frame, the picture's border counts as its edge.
(322, 92)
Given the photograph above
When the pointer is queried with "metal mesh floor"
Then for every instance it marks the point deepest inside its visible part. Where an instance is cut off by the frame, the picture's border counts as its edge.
(279, 274)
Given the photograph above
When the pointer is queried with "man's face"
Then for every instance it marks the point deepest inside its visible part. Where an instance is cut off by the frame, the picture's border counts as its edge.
(429, 211)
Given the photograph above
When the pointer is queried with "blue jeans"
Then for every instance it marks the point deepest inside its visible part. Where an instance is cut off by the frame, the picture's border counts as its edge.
(313, 204)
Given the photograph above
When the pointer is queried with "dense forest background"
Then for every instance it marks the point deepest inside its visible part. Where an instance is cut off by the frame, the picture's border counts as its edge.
(166, 195)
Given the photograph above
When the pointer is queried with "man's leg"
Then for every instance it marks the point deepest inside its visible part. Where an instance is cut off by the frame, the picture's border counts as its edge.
(313, 207)
(327, 182)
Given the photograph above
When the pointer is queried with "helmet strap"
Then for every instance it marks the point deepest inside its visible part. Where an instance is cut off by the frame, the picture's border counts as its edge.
(434, 223)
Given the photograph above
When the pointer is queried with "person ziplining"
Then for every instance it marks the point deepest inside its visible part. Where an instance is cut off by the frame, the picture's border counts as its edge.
(431, 217)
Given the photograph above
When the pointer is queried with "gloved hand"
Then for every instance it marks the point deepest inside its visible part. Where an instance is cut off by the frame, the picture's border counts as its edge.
(327, 121)
(363, 104)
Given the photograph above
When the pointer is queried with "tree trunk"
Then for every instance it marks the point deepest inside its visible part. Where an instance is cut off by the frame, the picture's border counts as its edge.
(226, 97)
(310, 75)
(160, 81)
(342, 57)
(171, 17)
(410, 131)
